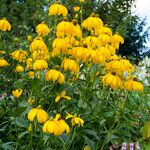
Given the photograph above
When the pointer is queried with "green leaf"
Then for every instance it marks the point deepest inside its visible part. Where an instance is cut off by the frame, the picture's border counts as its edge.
(22, 122)
(7, 146)
(92, 132)
(89, 143)
(82, 104)
(22, 134)
(110, 136)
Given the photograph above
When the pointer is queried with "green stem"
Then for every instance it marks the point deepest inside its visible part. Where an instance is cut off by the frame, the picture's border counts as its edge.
(31, 143)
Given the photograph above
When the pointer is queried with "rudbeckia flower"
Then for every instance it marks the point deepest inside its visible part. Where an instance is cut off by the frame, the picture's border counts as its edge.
(75, 120)
(19, 68)
(42, 29)
(17, 93)
(58, 9)
(56, 126)
(65, 28)
(76, 8)
(71, 65)
(112, 80)
(38, 44)
(92, 23)
(4, 25)
(38, 112)
(54, 76)
(133, 85)
(3, 62)
(40, 64)
(62, 95)
(19, 55)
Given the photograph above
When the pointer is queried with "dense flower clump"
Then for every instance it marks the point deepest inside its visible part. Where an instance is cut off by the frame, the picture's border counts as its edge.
(58, 62)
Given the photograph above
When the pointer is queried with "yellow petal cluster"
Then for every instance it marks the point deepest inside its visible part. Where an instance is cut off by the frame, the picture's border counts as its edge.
(58, 9)
(38, 112)
(4, 25)
(31, 74)
(56, 126)
(92, 23)
(82, 1)
(17, 93)
(76, 8)
(120, 66)
(75, 120)
(40, 64)
(112, 81)
(71, 65)
(42, 29)
(89, 55)
(62, 95)
(19, 68)
(116, 40)
(29, 63)
(65, 28)
(39, 49)
(132, 85)
(19, 55)
(3, 62)
(54, 76)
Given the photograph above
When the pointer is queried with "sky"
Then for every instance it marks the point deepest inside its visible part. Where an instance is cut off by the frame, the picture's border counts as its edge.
(143, 10)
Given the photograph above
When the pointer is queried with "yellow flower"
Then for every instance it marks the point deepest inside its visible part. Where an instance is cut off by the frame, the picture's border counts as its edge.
(39, 49)
(112, 80)
(76, 8)
(19, 55)
(71, 65)
(65, 28)
(2, 52)
(78, 31)
(116, 39)
(92, 23)
(31, 101)
(40, 64)
(105, 30)
(17, 93)
(4, 25)
(42, 29)
(92, 41)
(104, 39)
(30, 128)
(82, 1)
(38, 45)
(60, 44)
(120, 66)
(29, 63)
(133, 85)
(87, 147)
(19, 68)
(58, 9)
(56, 126)
(75, 120)
(29, 37)
(31, 74)
(54, 75)
(3, 62)
(38, 112)
(62, 95)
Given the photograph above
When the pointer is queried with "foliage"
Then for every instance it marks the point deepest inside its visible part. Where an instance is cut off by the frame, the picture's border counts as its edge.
(104, 110)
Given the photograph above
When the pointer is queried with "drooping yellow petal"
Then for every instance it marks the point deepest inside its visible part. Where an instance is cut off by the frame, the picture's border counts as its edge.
(68, 116)
(57, 99)
(32, 114)
(67, 97)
